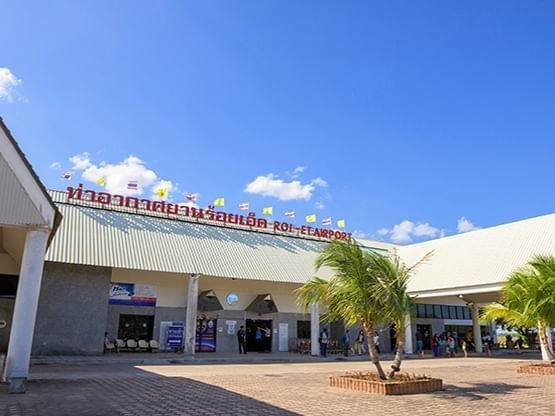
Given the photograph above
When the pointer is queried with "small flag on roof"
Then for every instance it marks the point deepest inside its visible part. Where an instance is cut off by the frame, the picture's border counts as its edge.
(341, 223)
(290, 214)
(219, 202)
(267, 211)
(191, 197)
(244, 206)
(133, 185)
(66, 176)
(162, 192)
(310, 218)
(326, 221)
(101, 181)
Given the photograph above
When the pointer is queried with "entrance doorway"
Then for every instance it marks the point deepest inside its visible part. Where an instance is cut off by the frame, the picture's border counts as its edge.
(135, 327)
(426, 331)
(259, 335)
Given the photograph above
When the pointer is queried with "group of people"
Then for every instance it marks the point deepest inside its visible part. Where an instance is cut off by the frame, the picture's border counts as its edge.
(358, 347)
(448, 344)
(262, 337)
(445, 344)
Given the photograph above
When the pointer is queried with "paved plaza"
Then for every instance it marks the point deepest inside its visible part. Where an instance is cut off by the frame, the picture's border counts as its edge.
(474, 386)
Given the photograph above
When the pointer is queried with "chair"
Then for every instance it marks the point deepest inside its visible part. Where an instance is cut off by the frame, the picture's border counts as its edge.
(120, 344)
(109, 347)
(143, 345)
(131, 345)
(154, 345)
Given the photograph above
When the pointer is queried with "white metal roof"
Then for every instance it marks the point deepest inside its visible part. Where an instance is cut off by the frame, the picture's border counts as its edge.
(479, 259)
(109, 238)
(23, 200)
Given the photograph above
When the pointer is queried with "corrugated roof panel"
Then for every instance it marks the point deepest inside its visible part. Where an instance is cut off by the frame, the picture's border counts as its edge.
(109, 238)
(480, 257)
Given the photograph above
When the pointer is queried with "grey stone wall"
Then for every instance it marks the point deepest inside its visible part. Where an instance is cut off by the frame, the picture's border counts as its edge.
(72, 311)
(6, 314)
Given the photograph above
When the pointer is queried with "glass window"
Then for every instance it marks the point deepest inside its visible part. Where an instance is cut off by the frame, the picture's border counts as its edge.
(460, 312)
(466, 313)
(429, 311)
(445, 312)
(452, 312)
(421, 311)
(437, 311)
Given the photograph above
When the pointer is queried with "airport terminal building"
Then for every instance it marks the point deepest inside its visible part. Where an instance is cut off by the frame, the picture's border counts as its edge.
(150, 270)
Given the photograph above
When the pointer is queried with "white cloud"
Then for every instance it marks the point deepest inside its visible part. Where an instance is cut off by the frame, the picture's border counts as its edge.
(406, 230)
(81, 161)
(117, 176)
(8, 82)
(55, 166)
(298, 170)
(425, 230)
(401, 233)
(271, 185)
(320, 205)
(359, 234)
(319, 182)
(464, 225)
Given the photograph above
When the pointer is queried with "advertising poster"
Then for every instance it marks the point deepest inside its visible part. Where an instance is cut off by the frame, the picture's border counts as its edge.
(132, 294)
(175, 335)
(205, 340)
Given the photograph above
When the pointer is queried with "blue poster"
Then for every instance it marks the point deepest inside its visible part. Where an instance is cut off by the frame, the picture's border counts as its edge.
(132, 294)
(175, 335)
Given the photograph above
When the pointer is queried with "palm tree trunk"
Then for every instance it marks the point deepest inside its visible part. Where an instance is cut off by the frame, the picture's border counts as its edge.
(396, 365)
(372, 351)
(547, 355)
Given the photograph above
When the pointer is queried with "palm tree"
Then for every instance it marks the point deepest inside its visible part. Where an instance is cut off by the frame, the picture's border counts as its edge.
(528, 300)
(367, 287)
(393, 276)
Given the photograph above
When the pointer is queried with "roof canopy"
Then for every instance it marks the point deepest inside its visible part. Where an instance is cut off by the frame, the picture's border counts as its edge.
(102, 237)
(478, 261)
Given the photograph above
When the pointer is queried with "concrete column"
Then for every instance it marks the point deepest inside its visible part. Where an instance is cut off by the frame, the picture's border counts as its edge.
(409, 347)
(494, 331)
(191, 316)
(25, 311)
(548, 334)
(476, 327)
(314, 330)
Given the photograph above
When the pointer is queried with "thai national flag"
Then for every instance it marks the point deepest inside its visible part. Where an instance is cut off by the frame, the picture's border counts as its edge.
(326, 221)
(191, 197)
(290, 214)
(244, 206)
(66, 176)
(133, 185)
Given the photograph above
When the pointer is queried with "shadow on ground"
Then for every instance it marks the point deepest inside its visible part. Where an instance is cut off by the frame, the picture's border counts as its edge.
(144, 396)
(479, 391)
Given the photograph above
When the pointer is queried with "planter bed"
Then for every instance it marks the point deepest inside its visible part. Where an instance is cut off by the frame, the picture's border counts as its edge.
(542, 369)
(401, 384)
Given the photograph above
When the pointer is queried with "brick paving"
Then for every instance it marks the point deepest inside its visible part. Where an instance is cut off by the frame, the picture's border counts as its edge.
(475, 386)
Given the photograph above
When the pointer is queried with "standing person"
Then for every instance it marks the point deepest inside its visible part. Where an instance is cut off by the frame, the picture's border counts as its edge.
(518, 345)
(346, 343)
(442, 348)
(435, 345)
(488, 343)
(451, 347)
(419, 343)
(464, 348)
(360, 342)
(242, 340)
(324, 339)
(376, 339)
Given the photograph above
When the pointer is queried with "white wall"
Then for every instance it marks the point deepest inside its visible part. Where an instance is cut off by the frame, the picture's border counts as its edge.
(172, 289)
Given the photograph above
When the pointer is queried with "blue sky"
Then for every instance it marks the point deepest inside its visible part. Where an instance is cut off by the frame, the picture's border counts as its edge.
(410, 113)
